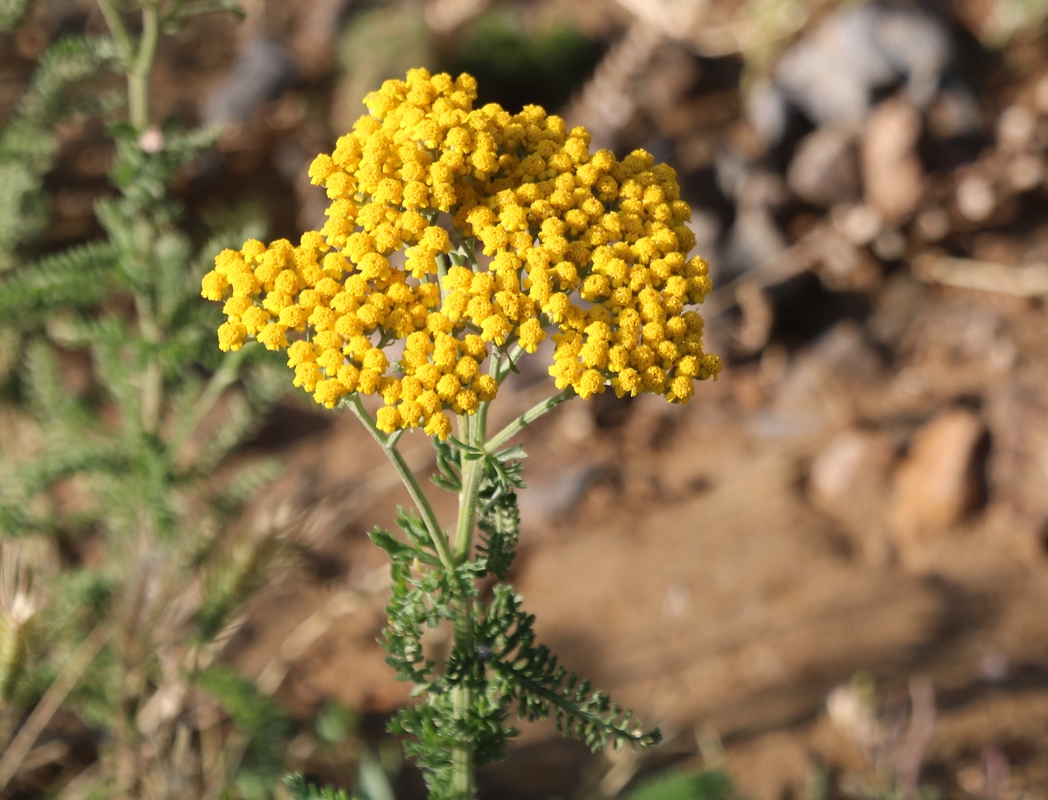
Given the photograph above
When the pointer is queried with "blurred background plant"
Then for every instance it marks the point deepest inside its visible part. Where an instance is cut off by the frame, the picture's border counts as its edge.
(878, 331)
(120, 414)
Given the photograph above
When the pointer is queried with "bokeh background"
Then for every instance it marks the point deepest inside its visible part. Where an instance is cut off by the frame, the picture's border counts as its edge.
(827, 575)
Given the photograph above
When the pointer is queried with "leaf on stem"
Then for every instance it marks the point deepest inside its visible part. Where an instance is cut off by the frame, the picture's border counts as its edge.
(542, 687)
(184, 11)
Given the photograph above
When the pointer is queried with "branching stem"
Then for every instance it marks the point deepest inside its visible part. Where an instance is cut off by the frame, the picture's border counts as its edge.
(138, 63)
(407, 477)
(525, 419)
(142, 66)
(471, 475)
(223, 377)
(118, 31)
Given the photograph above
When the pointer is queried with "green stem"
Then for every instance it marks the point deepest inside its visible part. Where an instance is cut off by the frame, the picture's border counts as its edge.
(462, 696)
(139, 65)
(503, 369)
(472, 471)
(442, 272)
(462, 754)
(224, 377)
(407, 477)
(525, 419)
(142, 67)
(474, 431)
(118, 30)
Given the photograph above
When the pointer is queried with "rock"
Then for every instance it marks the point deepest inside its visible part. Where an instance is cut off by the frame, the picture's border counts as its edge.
(545, 502)
(840, 264)
(831, 73)
(932, 224)
(848, 460)
(1040, 94)
(1025, 172)
(859, 224)
(1016, 129)
(262, 70)
(849, 481)
(766, 111)
(941, 479)
(892, 172)
(825, 169)
(954, 113)
(975, 198)
(1017, 415)
(731, 168)
(890, 245)
(804, 401)
(754, 239)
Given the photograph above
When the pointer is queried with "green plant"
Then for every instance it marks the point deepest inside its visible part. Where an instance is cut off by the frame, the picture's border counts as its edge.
(300, 790)
(679, 785)
(132, 453)
(509, 227)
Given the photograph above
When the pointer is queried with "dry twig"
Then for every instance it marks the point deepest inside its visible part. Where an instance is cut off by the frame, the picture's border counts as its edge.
(987, 276)
(49, 704)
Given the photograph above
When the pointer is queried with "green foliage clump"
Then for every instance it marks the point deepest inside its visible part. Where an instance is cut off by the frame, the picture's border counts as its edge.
(499, 667)
(28, 143)
(680, 785)
(520, 65)
(300, 790)
(125, 462)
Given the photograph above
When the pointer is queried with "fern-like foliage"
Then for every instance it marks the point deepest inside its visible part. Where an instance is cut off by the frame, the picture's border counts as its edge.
(11, 13)
(179, 13)
(28, 142)
(78, 277)
(544, 688)
(503, 669)
(498, 515)
(300, 790)
(131, 444)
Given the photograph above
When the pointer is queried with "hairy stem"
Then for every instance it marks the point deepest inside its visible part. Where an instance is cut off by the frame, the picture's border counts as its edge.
(407, 477)
(118, 30)
(224, 377)
(139, 65)
(529, 416)
(472, 472)
(473, 429)
(142, 66)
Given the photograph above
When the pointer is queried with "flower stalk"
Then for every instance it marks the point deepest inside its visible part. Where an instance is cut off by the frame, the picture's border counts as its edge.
(585, 249)
(407, 477)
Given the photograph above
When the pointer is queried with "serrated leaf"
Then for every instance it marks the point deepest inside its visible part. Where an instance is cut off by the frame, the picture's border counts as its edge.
(187, 10)
(398, 551)
(78, 277)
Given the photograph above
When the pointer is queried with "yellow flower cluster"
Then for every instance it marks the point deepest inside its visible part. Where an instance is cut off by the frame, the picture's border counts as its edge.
(588, 245)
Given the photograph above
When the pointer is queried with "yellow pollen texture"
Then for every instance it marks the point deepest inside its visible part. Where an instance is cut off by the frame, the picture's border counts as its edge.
(548, 239)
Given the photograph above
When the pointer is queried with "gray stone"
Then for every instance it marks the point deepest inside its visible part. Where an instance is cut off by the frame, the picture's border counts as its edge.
(766, 111)
(825, 169)
(754, 239)
(831, 72)
(262, 70)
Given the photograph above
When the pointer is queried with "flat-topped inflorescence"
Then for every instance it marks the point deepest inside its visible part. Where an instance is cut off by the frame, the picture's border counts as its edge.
(586, 247)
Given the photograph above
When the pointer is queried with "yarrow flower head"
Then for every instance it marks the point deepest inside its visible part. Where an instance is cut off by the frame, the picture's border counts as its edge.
(392, 297)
